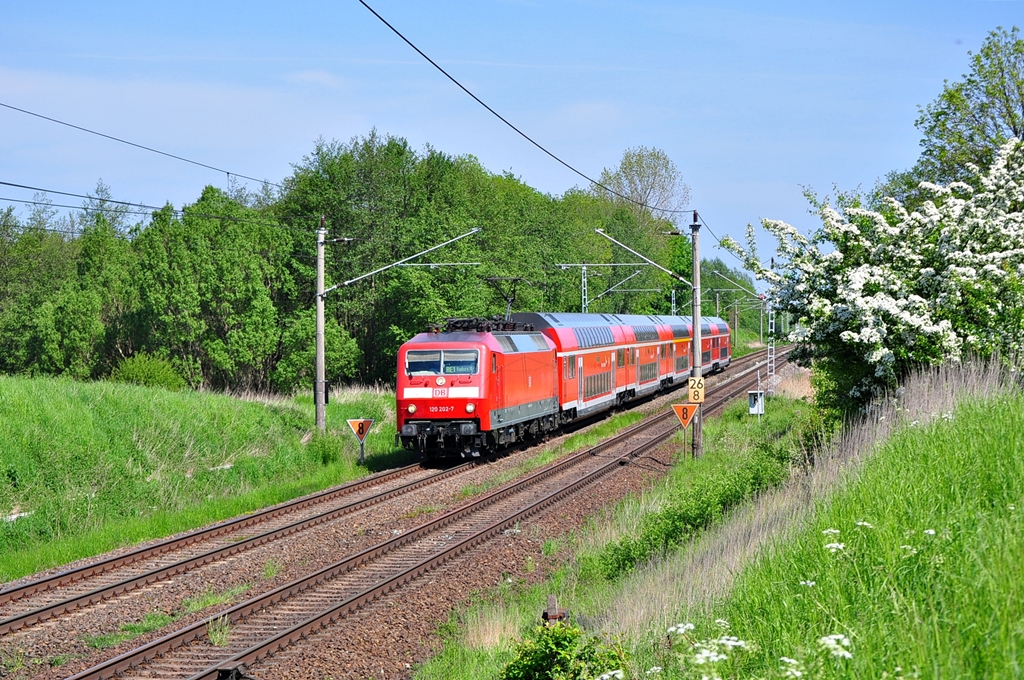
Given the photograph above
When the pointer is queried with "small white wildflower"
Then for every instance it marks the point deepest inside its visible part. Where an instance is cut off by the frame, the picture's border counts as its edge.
(791, 669)
(1011, 506)
(680, 628)
(835, 547)
(706, 655)
(731, 641)
(809, 584)
(930, 532)
(831, 532)
(722, 623)
(866, 525)
(610, 675)
(915, 423)
(836, 645)
(948, 415)
(653, 670)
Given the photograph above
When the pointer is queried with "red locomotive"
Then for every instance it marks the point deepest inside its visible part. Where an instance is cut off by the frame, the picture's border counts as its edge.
(480, 384)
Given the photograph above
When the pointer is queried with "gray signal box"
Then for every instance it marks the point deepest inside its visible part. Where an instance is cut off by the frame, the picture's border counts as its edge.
(756, 402)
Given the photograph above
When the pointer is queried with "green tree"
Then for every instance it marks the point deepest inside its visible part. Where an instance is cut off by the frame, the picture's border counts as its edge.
(968, 122)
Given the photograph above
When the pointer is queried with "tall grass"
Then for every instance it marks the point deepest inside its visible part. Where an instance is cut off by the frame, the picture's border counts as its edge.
(85, 467)
(918, 563)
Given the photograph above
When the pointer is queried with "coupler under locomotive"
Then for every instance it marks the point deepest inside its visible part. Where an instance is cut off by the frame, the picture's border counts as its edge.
(443, 438)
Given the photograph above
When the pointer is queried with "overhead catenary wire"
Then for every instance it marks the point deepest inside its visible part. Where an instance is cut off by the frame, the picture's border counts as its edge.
(508, 123)
(140, 146)
(144, 207)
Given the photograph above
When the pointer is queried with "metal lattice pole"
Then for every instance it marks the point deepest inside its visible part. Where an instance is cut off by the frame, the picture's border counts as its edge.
(771, 350)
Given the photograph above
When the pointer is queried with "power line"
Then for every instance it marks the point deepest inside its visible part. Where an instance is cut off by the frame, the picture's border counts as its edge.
(143, 206)
(140, 146)
(506, 122)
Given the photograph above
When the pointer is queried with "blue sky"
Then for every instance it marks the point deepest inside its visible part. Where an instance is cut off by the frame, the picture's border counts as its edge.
(751, 100)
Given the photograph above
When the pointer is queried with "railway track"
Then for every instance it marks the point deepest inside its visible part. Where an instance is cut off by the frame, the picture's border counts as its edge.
(287, 615)
(67, 591)
(64, 592)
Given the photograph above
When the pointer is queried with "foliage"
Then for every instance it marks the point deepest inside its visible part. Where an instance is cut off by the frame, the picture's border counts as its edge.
(150, 371)
(876, 294)
(225, 287)
(884, 563)
(563, 651)
(648, 183)
(969, 121)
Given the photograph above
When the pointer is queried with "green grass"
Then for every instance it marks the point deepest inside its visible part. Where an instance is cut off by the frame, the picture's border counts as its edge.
(741, 456)
(930, 585)
(208, 599)
(219, 629)
(101, 465)
(129, 631)
(747, 341)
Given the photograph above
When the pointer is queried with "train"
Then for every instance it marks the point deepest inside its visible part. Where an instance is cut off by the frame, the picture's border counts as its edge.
(475, 385)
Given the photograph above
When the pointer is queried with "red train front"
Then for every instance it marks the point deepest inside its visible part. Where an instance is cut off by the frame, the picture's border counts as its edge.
(478, 385)
(482, 384)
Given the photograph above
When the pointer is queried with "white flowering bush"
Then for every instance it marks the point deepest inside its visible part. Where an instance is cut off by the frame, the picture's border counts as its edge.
(876, 293)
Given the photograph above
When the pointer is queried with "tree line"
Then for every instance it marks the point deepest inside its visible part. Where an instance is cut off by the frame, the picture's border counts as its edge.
(224, 288)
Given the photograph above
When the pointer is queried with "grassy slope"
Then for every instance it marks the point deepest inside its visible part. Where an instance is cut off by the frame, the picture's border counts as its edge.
(946, 604)
(100, 465)
(927, 586)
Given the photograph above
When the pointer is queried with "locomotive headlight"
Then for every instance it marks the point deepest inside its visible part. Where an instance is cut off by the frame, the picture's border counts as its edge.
(412, 408)
(470, 407)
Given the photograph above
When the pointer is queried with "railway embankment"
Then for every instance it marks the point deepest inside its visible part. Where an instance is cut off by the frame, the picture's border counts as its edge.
(895, 554)
(89, 467)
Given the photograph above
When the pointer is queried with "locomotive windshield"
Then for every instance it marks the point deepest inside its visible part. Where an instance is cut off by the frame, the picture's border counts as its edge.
(436, 362)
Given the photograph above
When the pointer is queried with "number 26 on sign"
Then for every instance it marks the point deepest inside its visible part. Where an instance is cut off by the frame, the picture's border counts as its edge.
(695, 391)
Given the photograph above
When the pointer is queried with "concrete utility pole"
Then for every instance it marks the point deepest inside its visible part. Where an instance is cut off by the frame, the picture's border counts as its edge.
(320, 384)
(695, 369)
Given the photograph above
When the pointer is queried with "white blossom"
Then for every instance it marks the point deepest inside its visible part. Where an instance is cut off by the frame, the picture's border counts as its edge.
(708, 655)
(837, 645)
(918, 287)
(835, 547)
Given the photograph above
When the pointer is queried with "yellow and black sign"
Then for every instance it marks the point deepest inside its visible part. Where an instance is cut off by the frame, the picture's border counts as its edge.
(695, 391)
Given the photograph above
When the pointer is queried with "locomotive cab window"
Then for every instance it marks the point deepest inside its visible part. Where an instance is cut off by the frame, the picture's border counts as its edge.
(460, 361)
(423, 362)
(436, 362)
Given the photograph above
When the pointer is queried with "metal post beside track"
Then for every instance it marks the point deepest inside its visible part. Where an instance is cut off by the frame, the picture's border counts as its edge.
(696, 370)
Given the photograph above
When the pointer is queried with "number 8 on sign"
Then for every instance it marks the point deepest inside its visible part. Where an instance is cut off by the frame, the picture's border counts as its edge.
(695, 391)
(685, 413)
